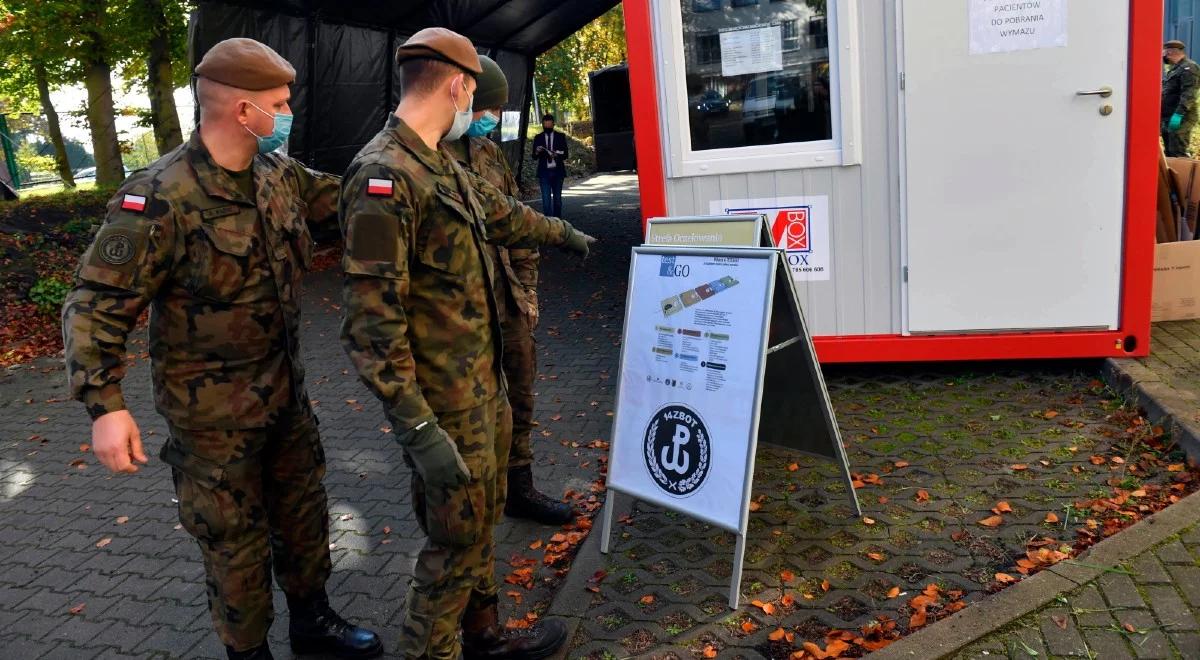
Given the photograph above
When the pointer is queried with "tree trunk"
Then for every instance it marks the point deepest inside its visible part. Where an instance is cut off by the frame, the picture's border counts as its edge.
(106, 148)
(56, 138)
(163, 114)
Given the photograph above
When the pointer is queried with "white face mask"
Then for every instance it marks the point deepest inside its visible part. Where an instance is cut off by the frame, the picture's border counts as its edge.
(462, 118)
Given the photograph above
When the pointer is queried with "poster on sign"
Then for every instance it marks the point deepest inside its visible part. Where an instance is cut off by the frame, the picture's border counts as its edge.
(691, 372)
(799, 225)
(1005, 26)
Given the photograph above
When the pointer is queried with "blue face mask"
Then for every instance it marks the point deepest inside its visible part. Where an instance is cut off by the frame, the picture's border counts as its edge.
(484, 125)
(278, 136)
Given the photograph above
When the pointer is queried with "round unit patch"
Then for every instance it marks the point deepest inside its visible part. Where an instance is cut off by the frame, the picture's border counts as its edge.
(116, 249)
(677, 451)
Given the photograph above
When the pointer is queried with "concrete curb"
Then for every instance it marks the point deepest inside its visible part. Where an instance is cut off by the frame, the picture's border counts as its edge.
(572, 600)
(981, 619)
(1164, 405)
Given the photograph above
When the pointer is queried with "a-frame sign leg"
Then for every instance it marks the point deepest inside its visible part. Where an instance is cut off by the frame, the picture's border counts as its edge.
(735, 582)
(610, 503)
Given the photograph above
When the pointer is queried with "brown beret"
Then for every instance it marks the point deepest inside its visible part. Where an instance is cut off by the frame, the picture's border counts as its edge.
(1175, 43)
(246, 64)
(441, 44)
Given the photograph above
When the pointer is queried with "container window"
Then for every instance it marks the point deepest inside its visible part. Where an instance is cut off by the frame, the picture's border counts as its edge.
(757, 73)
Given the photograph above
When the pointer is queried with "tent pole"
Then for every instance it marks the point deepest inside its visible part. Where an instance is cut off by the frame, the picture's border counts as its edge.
(531, 87)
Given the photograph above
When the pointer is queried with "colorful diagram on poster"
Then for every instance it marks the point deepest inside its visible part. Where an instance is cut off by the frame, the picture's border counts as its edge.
(799, 225)
(676, 304)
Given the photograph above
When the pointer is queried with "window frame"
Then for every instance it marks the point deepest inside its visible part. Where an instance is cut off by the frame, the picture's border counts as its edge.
(845, 99)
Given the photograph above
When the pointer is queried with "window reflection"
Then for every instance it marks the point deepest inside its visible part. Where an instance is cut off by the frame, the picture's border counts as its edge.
(757, 72)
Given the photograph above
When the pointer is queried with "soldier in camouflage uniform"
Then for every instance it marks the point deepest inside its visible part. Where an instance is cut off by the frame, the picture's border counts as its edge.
(515, 273)
(213, 238)
(422, 330)
(1178, 113)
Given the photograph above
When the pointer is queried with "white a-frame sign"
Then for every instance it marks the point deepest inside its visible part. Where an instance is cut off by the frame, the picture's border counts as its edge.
(715, 357)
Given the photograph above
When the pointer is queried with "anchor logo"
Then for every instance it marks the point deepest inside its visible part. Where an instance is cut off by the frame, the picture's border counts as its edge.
(682, 437)
(677, 450)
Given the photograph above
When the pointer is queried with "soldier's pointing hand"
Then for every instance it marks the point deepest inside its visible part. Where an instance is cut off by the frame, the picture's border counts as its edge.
(578, 243)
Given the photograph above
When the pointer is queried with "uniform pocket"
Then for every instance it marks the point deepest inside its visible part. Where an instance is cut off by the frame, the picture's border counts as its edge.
(208, 508)
(220, 262)
(452, 517)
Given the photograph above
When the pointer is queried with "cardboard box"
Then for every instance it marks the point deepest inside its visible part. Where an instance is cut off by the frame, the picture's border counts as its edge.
(1176, 281)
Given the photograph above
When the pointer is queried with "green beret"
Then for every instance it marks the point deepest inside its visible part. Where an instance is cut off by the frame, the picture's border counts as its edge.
(491, 89)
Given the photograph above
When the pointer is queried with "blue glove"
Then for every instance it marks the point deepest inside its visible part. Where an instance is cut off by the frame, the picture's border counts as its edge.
(1175, 123)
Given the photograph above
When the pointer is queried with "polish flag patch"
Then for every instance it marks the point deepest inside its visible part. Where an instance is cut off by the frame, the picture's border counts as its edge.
(133, 203)
(379, 187)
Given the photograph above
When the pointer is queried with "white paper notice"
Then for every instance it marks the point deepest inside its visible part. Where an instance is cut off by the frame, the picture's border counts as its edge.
(689, 375)
(800, 225)
(1003, 26)
(753, 49)
(510, 125)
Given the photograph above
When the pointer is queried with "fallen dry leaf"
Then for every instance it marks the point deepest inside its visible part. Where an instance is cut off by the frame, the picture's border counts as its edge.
(893, 592)
(1060, 621)
(868, 521)
(793, 467)
(1017, 467)
(1002, 507)
(777, 634)
(787, 576)
(876, 556)
(648, 599)
(1005, 578)
(901, 464)
(748, 626)
(121, 520)
(1129, 627)
(535, 545)
(922, 495)
(824, 585)
(103, 542)
(755, 506)
(1051, 517)
(991, 521)
(1050, 414)
(710, 651)
(78, 608)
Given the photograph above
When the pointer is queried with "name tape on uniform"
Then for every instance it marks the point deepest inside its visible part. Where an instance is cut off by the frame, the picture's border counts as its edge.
(379, 187)
(133, 203)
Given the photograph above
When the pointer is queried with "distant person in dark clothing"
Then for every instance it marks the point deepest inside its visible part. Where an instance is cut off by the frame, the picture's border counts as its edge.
(1180, 82)
(550, 152)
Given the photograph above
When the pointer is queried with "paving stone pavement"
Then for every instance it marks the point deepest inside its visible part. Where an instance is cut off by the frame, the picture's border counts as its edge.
(143, 594)
(1175, 355)
(1148, 608)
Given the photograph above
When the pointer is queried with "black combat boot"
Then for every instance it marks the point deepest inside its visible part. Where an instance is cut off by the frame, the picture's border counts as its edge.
(258, 653)
(484, 639)
(524, 501)
(315, 628)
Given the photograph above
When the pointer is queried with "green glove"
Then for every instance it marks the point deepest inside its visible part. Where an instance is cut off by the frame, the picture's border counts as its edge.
(1175, 123)
(577, 242)
(435, 456)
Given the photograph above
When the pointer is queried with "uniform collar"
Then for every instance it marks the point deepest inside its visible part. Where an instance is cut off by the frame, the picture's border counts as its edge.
(212, 177)
(408, 138)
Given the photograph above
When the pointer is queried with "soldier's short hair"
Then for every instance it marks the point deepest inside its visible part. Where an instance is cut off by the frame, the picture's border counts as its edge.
(423, 75)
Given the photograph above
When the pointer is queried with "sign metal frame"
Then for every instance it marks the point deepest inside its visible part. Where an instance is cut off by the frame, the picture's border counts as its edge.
(772, 256)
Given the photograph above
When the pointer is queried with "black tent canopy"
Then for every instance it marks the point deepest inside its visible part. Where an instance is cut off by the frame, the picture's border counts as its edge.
(346, 82)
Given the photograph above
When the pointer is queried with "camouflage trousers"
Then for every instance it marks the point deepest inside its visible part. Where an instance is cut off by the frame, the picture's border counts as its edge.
(253, 498)
(1178, 143)
(520, 368)
(456, 567)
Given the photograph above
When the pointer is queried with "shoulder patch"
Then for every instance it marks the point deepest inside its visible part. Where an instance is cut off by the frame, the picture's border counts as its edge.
(116, 249)
(220, 212)
(135, 203)
(379, 187)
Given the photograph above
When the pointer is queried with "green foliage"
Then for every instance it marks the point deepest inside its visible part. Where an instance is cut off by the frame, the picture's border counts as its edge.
(48, 294)
(562, 72)
(29, 161)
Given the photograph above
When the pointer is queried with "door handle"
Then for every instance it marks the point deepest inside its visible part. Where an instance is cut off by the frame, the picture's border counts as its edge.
(1103, 92)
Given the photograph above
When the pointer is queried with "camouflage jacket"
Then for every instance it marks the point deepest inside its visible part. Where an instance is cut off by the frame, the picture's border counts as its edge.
(221, 274)
(421, 325)
(520, 266)
(1180, 82)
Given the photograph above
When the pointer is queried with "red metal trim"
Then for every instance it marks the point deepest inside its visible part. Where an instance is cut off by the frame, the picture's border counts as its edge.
(944, 348)
(643, 91)
(1141, 169)
(1145, 46)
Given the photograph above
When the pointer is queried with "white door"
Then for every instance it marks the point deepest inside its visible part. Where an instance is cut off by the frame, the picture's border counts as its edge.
(1013, 180)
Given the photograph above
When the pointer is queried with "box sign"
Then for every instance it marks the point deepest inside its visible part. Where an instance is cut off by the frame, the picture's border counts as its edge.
(799, 225)
(691, 367)
(1176, 281)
